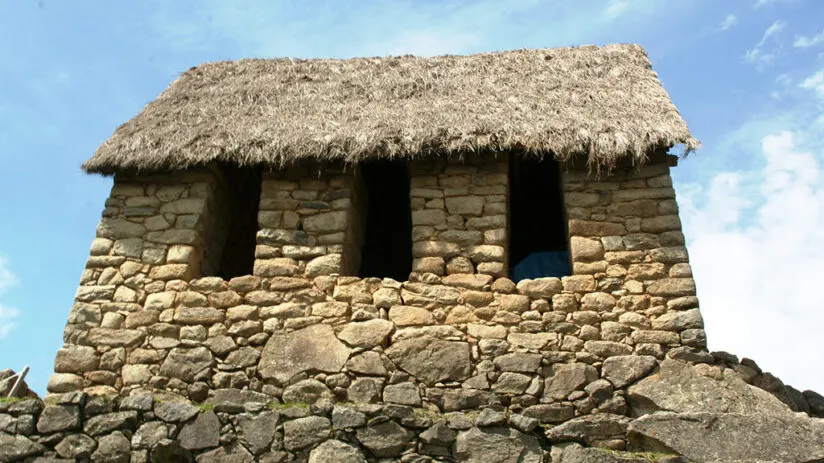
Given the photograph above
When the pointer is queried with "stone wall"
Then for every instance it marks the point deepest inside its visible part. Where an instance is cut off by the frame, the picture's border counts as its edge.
(140, 319)
(308, 222)
(459, 216)
(457, 336)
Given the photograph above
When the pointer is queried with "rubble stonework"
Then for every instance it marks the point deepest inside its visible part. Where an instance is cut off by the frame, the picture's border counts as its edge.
(301, 359)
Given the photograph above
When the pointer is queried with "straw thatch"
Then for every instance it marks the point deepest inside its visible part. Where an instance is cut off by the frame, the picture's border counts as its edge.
(604, 103)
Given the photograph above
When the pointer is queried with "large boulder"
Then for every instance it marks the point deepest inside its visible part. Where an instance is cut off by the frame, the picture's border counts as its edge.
(312, 348)
(685, 388)
(731, 437)
(432, 360)
(497, 445)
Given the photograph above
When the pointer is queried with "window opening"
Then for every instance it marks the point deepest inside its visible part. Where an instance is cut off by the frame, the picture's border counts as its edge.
(241, 210)
(387, 248)
(538, 245)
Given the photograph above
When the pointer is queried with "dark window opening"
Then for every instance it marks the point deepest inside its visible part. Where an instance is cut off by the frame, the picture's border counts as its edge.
(242, 200)
(538, 233)
(387, 248)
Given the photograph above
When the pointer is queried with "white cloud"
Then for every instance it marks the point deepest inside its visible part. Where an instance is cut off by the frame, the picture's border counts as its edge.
(617, 8)
(761, 3)
(804, 42)
(730, 21)
(815, 82)
(755, 241)
(758, 55)
(7, 314)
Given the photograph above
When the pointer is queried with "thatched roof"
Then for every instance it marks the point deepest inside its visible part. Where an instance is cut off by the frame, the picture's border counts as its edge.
(604, 103)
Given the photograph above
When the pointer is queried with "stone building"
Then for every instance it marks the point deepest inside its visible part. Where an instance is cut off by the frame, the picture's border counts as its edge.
(383, 258)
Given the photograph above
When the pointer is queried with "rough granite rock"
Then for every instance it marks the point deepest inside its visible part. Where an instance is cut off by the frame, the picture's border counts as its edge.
(589, 428)
(684, 388)
(257, 432)
(623, 370)
(232, 453)
(431, 360)
(574, 453)
(497, 445)
(337, 452)
(386, 439)
(13, 448)
(312, 348)
(187, 364)
(731, 437)
(304, 432)
(201, 433)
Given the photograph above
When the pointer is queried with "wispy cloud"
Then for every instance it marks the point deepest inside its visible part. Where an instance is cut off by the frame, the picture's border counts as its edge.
(815, 82)
(804, 42)
(757, 55)
(762, 3)
(617, 8)
(728, 22)
(7, 314)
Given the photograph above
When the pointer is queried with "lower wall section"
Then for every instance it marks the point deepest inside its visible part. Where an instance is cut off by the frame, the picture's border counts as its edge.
(244, 426)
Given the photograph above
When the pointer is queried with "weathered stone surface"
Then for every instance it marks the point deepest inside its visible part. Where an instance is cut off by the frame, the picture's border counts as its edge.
(387, 439)
(403, 394)
(605, 349)
(56, 418)
(346, 417)
(438, 434)
(587, 429)
(337, 452)
(519, 363)
(257, 432)
(199, 315)
(307, 391)
(232, 453)
(567, 377)
(574, 453)
(17, 447)
(365, 390)
(326, 222)
(112, 448)
(402, 315)
(324, 265)
(304, 432)
(115, 337)
(497, 445)
(366, 334)
(623, 370)
(431, 360)
(102, 424)
(367, 363)
(76, 446)
(175, 411)
(201, 433)
(679, 320)
(311, 348)
(550, 413)
(540, 287)
(187, 364)
(149, 434)
(76, 359)
(701, 389)
(731, 436)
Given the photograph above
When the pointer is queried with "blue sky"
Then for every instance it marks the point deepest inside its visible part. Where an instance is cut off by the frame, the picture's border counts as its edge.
(747, 75)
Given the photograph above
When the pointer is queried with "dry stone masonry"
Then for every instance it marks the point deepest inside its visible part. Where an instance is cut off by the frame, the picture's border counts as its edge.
(300, 360)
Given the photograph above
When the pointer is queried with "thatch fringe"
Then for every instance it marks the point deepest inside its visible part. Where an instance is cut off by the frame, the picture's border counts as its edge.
(604, 103)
